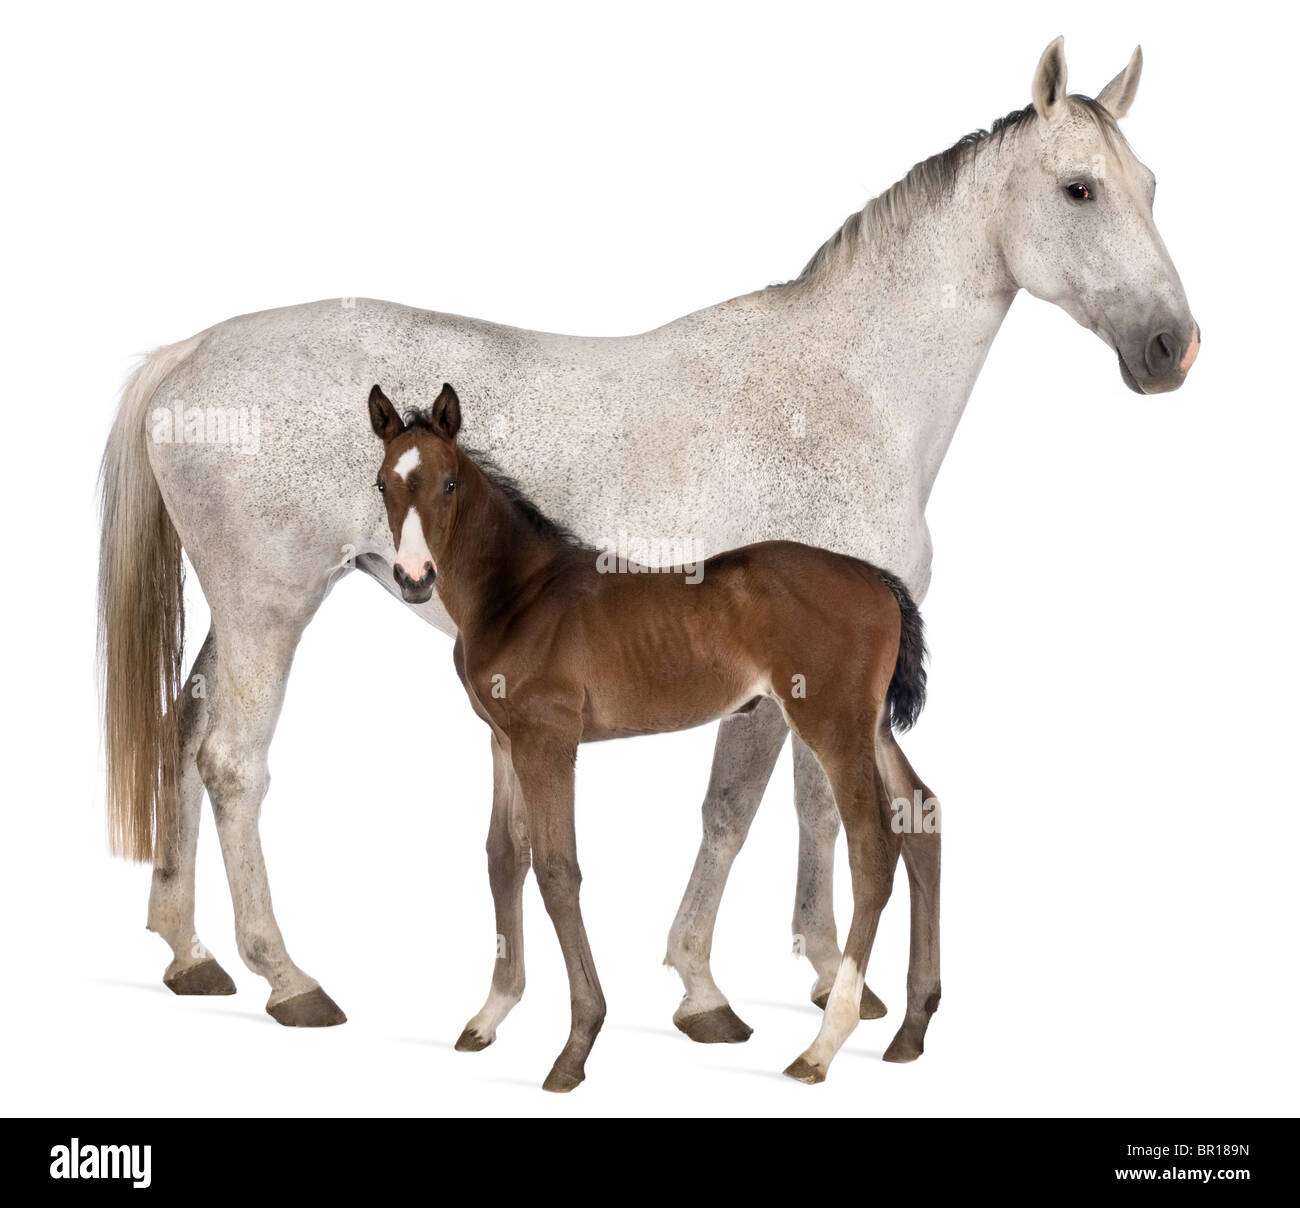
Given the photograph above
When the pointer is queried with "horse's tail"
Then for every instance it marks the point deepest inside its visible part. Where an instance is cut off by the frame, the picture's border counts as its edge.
(141, 624)
(906, 697)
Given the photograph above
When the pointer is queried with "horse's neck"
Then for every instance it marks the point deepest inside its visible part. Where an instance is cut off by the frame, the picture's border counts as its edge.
(909, 318)
(493, 551)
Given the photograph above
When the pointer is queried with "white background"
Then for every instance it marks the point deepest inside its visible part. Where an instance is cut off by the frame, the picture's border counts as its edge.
(1111, 719)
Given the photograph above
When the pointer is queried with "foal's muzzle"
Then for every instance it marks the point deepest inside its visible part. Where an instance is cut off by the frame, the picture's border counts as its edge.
(415, 591)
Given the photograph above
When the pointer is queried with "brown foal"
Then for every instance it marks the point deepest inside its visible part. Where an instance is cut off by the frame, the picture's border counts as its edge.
(553, 652)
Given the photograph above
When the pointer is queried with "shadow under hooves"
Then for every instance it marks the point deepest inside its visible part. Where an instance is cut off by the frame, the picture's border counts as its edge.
(871, 1008)
(208, 977)
(719, 1026)
(314, 1009)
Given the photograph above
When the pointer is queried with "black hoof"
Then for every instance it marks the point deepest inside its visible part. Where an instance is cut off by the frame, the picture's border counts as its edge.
(871, 1008)
(903, 1049)
(315, 1009)
(205, 978)
(801, 1071)
(719, 1026)
(471, 1042)
(560, 1082)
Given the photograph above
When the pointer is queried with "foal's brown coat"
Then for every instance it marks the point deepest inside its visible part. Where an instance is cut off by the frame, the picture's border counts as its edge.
(553, 652)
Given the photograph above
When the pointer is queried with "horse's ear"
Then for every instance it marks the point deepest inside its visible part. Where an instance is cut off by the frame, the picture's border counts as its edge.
(384, 419)
(1118, 95)
(446, 412)
(1049, 82)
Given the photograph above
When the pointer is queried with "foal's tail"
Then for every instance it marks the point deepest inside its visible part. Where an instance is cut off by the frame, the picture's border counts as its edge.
(141, 625)
(906, 696)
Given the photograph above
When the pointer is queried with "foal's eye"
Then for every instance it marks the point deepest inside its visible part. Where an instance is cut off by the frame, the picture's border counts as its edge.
(1079, 191)
(451, 485)
(380, 485)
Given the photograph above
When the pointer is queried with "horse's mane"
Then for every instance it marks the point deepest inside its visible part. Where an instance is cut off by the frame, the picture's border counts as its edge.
(930, 181)
(537, 520)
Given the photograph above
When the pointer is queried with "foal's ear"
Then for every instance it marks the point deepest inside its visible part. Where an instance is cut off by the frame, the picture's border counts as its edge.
(445, 413)
(383, 416)
(1118, 95)
(1049, 82)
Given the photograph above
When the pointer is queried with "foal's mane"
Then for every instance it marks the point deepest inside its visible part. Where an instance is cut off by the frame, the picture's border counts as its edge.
(930, 181)
(537, 520)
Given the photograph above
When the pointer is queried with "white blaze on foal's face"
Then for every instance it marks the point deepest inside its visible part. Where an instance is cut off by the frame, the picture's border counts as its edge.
(413, 554)
(418, 483)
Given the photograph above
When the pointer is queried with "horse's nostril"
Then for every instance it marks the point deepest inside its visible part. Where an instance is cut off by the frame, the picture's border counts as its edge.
(1161, 352)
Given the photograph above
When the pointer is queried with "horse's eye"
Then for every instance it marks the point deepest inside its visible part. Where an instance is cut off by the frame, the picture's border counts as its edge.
(451, 486)
(1079, 191)
(380, 485)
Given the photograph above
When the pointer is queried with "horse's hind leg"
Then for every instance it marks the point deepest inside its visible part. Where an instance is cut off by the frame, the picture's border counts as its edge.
(814, 913)
(256, 649)
(743, 758)
(921, 849)
(171, 897)
(508, 862)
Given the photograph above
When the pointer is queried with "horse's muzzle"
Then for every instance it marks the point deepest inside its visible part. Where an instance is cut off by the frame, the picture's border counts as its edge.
(415, 591)
(1165, 361)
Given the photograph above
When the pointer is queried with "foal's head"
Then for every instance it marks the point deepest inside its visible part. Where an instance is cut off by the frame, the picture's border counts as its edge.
(418, 483)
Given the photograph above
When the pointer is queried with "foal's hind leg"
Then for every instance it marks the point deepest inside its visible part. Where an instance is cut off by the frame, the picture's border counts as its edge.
(743, 758)
(508, 862)
(171, 897)
(814, 912)
(872, 856)
(921, 856)
(257, 645)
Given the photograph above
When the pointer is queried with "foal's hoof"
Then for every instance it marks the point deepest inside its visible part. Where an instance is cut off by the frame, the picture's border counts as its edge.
(207, 977)
(802, 1071)
(560, 1082)
(719, 1026)
(471, 1042)
(871, 1008)
(314, 1009)
(904, 1048)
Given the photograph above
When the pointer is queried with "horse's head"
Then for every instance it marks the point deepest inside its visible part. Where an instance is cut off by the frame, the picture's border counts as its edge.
(1076, 227)
(418, 483)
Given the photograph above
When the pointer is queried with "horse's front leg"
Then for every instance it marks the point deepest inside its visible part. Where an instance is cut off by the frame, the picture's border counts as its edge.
(743, 758)
(508, 862)
(543, 761)
(814, 910)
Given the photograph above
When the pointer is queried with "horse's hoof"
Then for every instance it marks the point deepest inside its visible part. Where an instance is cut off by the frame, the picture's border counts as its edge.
(207, 977)
(802, 1071)
(719, 1026)
(471, 1042)
(903, 1049)
(560, 1082)
(871, 1008)
(314, 1009)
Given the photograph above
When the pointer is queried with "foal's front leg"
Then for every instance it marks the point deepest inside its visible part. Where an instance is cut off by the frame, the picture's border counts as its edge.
(508, 860)
(543, 761)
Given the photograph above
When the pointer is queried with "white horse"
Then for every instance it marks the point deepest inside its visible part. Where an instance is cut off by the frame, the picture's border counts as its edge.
(681, 430)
